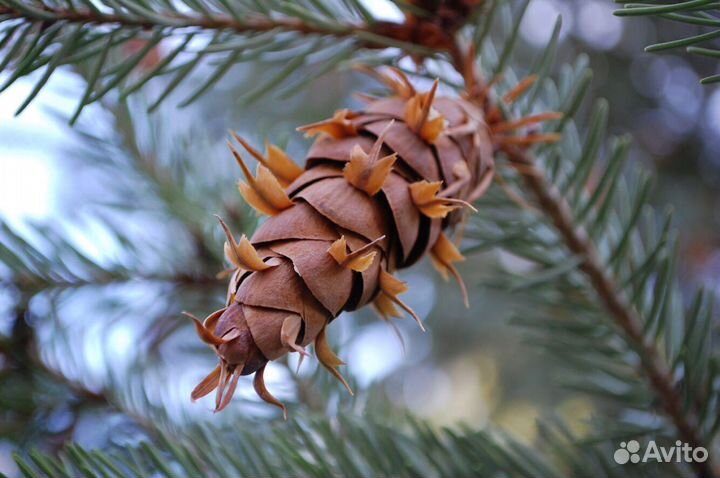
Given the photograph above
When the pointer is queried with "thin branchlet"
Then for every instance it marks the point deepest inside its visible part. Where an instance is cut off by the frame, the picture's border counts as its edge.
(179, 20)
(377, 34)
(551, 204)
(653, 367)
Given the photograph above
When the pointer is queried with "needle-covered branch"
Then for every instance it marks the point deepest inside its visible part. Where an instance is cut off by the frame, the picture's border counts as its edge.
(580, 202)
(703, 15)
(652, 363)
(127, 44)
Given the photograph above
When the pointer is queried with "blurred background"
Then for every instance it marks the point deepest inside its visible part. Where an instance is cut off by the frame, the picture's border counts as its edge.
(124, 202)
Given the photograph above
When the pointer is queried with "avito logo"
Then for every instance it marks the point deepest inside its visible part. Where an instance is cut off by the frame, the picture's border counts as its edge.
(630, 452)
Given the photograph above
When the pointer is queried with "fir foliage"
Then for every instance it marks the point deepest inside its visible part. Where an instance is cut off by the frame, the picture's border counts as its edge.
(703, 15)
(114, 37)
(313, 447)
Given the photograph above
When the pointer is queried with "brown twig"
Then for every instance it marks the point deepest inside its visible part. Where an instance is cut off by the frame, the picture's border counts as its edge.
(33, 283)
(555, 207)
(177, 20)
(625, 317)
(652, 365)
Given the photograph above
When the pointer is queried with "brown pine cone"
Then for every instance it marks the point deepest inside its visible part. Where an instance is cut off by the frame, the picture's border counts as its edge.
(378, 189)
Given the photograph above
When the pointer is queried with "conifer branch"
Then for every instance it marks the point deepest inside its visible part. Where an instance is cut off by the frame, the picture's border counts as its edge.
(653, 366)
(123, 38)
(552, 204)
(702, 14)
(178, 20)
(312, 447)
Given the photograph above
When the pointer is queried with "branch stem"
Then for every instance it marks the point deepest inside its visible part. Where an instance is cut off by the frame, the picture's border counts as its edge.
(177, 20)
(652, 365)
(551, 203)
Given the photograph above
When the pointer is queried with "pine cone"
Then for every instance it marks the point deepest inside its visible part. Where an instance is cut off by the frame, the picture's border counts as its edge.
(378, 189)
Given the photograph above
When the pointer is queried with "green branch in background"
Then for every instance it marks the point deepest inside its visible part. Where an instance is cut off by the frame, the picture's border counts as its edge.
(705, 14)
(129, 43)
(604, 266)
(318, 447)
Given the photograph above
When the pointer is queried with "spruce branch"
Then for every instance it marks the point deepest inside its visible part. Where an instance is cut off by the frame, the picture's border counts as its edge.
(40, 34)
(654, 367)
(176, 20)
(551, 202)
(313, 447)
(702, 14)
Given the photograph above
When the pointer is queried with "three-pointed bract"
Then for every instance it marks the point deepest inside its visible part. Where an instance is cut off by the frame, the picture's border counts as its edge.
(262, 191)
(423, 118)
(368, 171)
(276, 160)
